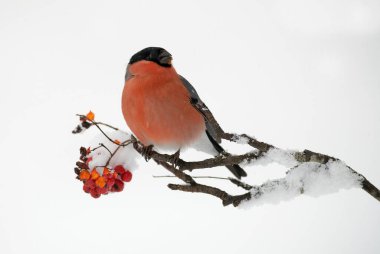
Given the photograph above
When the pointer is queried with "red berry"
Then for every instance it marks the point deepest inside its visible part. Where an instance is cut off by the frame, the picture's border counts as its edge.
(84, 175)
(118, 186)
(86, 189)
(101, 190)
(127, 176)
(106, 171)
(90, 183)
(110, 182)
(90, 116)
(94, 174)
(94, 193)
(119, 169)
(101, 182)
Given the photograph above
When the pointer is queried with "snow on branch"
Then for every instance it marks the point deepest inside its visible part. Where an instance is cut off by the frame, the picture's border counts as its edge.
(309, 178)
(310, 173)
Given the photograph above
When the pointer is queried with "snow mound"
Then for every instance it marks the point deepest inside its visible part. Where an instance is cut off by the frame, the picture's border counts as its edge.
(311, 178)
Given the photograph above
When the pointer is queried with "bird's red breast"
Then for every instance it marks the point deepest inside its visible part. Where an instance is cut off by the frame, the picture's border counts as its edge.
(156, 106)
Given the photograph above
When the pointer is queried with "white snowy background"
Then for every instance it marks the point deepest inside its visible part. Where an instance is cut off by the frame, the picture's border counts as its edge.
(298, 74)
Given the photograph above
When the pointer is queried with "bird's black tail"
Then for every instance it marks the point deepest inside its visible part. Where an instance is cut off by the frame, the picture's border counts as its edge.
(235, 169)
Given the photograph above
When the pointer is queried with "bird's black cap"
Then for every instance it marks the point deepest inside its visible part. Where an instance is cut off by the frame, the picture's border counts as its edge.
(153, 54)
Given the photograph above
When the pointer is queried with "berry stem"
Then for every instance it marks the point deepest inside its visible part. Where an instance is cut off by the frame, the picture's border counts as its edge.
(102, 145)
(125, 143)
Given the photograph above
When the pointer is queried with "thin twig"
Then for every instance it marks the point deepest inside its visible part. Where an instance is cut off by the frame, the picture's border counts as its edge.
(195, 177)
(107, 125)
(100, 129)
(237, 182)
(93, 149)
(125, 143)
(102, 145)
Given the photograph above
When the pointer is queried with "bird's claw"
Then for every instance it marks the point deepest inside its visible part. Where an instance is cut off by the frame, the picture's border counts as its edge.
(174, 158)
(147, 152)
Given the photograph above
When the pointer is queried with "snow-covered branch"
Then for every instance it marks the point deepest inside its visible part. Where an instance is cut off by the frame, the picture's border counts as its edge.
(309, 178)
(310, 173)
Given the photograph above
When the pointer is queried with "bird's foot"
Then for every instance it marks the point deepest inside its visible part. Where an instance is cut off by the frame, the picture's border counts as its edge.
(147, 152)
(174, 158)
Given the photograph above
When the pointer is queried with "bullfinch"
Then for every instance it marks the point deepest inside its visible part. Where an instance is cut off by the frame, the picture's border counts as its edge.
(159, 107)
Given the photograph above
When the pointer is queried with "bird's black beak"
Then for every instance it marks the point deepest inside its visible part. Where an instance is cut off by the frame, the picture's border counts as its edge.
(165, 58)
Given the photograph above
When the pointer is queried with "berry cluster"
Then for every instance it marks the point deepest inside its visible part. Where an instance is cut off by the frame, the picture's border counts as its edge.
(98, 182)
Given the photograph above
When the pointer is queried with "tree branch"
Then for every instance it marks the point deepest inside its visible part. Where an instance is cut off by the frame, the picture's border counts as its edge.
(226, 198)
(262, 150)
(301, 157)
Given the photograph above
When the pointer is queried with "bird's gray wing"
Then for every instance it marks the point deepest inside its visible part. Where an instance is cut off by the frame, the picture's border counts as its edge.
(196, 100)
(211, 133)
